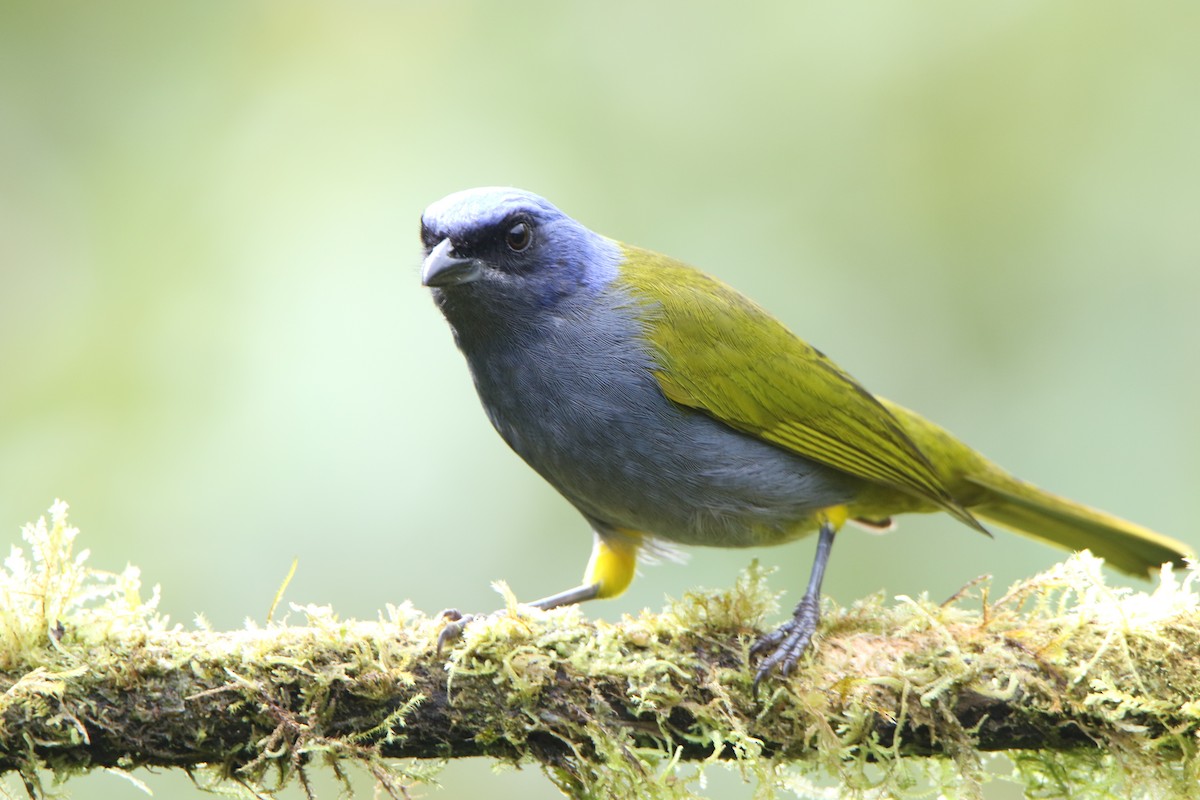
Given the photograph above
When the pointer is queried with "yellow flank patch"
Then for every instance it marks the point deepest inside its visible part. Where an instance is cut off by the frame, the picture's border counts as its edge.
(613, 562)
(834, 515)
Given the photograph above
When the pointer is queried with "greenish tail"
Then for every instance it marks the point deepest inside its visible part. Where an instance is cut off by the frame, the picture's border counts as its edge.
(988, 492)
(1024, 507)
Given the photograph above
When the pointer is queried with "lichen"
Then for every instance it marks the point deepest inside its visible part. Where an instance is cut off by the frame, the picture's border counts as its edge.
(1091, 690)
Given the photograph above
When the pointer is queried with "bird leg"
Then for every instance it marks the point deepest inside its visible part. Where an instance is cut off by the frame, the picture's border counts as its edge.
(784, 646)
(579, 594)
(456, 621)
(609, 572)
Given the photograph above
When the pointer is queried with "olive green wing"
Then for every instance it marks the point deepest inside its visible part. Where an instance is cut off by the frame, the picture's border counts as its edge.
(718, 352)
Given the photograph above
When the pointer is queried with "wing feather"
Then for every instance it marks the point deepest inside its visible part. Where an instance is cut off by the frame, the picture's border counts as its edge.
(718, 352)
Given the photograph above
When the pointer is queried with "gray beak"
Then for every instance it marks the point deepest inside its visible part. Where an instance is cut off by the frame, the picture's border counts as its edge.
(443, 268)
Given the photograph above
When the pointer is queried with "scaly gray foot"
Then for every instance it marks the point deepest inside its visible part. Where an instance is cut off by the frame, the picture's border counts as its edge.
(456, 623)
(783, 647)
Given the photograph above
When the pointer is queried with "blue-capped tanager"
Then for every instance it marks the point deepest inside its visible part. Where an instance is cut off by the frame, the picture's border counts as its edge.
(669, 408)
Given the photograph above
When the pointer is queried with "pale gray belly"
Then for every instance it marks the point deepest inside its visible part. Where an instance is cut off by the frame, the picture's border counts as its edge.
(627, 457)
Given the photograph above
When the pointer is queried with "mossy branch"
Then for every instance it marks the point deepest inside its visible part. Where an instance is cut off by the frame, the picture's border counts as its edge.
(1081, 683)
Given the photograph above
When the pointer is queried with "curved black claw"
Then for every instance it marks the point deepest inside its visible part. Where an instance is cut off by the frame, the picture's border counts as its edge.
(784, 646)
(456, 623)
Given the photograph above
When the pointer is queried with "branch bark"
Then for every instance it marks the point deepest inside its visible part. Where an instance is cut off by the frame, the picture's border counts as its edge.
(1061, 664)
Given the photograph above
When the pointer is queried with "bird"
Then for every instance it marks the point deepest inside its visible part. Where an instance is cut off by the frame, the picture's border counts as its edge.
(670, 409)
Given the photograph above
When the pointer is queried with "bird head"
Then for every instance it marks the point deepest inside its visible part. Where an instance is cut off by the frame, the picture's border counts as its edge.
(501, 251)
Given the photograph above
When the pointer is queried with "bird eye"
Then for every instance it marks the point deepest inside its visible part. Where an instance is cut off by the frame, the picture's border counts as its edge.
(519, 237)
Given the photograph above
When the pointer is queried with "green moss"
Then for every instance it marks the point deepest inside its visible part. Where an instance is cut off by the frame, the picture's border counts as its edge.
(1106, 681)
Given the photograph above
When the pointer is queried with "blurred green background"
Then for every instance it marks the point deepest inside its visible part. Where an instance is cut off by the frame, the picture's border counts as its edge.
(215, 346)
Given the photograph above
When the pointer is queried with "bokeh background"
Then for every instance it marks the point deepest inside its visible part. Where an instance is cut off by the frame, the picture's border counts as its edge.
(215, 346)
